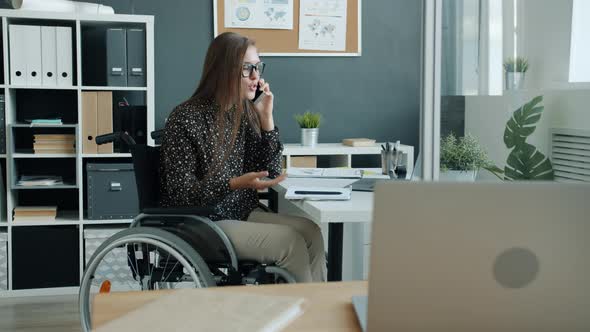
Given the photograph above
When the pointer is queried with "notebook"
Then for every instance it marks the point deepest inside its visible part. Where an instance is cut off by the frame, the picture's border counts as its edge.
(210, 310)
(318, 193)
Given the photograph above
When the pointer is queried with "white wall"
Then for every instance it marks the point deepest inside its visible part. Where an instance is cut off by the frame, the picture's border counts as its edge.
(486, 117)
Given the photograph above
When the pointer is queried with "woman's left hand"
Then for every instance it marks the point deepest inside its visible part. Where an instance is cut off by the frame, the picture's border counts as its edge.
(265, 106)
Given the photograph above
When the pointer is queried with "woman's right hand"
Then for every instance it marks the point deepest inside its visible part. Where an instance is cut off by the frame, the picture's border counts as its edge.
(254, 180)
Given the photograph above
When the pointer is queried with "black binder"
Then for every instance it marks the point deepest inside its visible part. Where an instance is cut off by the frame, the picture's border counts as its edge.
(116, 57)
(133, 120)
(136, 57)
(104, 57)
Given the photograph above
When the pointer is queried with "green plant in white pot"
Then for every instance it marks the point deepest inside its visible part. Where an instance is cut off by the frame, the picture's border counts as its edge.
(515, 69)
(461, 158)
(310, 127)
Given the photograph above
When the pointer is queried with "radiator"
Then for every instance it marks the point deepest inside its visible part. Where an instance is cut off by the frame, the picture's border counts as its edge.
(570, 154)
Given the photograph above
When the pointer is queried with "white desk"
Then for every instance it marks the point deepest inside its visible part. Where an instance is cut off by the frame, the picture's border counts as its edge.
(359, 209)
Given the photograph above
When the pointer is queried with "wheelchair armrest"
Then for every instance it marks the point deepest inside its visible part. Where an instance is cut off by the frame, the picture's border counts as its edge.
(195, 211)
(191, 217)
(264, 195)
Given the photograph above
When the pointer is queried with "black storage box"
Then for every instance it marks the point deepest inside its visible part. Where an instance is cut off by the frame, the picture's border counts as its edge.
(112, 193)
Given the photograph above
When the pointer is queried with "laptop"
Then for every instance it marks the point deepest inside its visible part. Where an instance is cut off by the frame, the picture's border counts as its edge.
(485, 256)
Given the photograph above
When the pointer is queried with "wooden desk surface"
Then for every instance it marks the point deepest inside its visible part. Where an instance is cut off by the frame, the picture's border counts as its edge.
(329, 304)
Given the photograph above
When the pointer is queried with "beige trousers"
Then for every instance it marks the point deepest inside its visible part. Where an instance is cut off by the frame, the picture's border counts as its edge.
(293, 243)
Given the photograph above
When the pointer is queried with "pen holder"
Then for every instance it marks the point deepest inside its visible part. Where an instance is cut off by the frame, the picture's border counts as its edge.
(386, 162)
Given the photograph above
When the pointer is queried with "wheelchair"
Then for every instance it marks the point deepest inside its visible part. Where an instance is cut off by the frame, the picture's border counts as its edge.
(165, 248)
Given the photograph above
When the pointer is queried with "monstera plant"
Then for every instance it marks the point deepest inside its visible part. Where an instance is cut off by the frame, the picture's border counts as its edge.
(525, 161)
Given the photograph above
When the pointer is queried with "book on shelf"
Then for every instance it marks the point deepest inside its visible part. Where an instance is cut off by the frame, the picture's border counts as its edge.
(54, 143)
(35, 210)
(56, 151)
(54, 137)
(33, 218)
(39, 180)
(44, 122)
(35, 213)
(358, 142)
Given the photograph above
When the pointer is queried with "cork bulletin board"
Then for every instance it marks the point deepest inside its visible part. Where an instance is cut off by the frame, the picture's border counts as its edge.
(276, 42)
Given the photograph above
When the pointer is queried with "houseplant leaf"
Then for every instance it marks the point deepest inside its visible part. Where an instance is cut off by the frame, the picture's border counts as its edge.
(525, 162)
(522, 123)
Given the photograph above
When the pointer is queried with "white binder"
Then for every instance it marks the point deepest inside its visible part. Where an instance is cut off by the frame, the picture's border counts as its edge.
(64, 56)
(18, 65)
(33, 54)
(48, 56)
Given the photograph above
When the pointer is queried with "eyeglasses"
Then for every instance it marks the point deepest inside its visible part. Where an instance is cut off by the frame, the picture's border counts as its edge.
(248, 68)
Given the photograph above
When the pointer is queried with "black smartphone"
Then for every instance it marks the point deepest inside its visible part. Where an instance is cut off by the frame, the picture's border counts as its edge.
(258, 95)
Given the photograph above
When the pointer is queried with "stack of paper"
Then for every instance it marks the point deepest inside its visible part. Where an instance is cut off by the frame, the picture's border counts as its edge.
(35, 213)
(210, 310)
(54, 143)
(335, 173)
(39, 180)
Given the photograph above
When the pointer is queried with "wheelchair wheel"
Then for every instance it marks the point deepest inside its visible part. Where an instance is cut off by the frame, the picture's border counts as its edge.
(141, 259)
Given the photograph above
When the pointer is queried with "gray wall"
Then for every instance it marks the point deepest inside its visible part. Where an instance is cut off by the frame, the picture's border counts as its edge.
(375, 95)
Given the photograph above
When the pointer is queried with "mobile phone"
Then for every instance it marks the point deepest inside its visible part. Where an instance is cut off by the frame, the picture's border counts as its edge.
(258, 95)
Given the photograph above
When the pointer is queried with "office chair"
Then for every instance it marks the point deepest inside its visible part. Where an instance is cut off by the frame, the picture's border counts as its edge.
(166, 248)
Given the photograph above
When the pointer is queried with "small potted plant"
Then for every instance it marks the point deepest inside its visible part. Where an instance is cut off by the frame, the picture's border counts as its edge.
(515, 68)
(461, 159)
(310, 127)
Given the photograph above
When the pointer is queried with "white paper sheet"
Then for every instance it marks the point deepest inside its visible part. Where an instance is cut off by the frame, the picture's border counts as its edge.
(259, 14)
(301, 172)
(322, 25)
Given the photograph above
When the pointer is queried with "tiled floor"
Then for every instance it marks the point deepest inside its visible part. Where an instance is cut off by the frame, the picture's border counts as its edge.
(40, 314)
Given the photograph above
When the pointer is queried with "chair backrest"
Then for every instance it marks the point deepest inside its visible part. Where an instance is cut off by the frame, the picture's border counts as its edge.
(146, 163)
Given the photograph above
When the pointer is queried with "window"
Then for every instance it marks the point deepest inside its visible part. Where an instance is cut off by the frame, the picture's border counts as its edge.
(580, 44)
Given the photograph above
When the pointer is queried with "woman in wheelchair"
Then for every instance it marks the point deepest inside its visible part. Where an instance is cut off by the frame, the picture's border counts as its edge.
(219, 147)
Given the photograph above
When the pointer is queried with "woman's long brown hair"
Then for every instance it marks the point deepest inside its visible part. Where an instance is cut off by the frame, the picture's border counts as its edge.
(221, 81)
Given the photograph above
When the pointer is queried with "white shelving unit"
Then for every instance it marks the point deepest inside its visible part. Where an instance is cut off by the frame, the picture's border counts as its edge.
(72, 219)
(340, 155)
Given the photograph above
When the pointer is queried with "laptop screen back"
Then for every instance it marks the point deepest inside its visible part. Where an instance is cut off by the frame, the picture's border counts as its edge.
(467, 257)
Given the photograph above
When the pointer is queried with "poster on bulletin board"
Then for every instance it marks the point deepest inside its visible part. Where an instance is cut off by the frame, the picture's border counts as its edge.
(293, 27)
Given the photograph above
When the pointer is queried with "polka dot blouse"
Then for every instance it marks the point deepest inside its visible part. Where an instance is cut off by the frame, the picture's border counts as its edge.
(187, 155)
